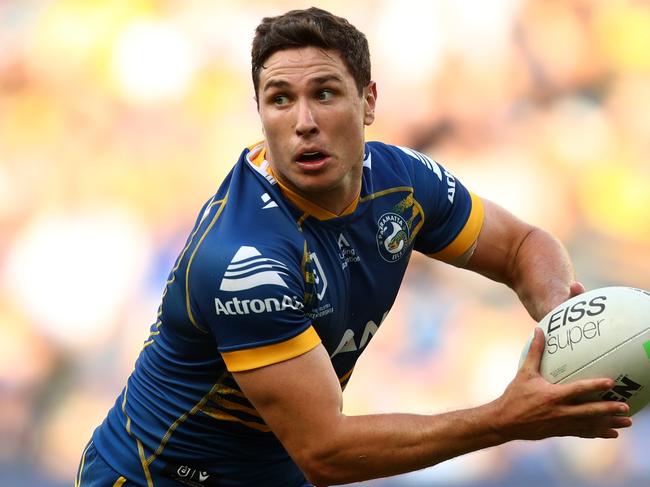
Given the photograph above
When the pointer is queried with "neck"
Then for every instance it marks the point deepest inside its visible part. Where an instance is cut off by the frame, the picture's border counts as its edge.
(323, 205)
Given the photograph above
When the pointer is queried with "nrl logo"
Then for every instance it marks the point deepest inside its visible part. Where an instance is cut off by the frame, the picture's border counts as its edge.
(392, 237)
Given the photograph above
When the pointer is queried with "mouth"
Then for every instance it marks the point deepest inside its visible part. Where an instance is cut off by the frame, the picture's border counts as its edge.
(310, 156)
(312, 159)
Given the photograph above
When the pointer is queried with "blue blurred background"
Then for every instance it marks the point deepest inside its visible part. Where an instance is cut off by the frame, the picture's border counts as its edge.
(119, 118)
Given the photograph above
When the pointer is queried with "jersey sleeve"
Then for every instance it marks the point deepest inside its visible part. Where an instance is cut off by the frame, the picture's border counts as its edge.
(453, 216)
(252, 300)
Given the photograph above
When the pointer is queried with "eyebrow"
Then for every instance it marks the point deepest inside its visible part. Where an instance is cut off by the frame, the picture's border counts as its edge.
(319, 80)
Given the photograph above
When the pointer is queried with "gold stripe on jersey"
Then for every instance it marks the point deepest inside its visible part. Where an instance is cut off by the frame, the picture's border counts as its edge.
(254, 358)
(119, 482)
(228, 391)
(188, 306)
(170, 431)
(197, 407)
(346, 376)
(420, 211)
(221, 408)
(467, 236)
(145, 464)
(396, 189)
(224, 416)
(234, 406)
(301, 220)
(152, 334)
(143, 461)
(77, 480)
(128, 418)
(306, 275)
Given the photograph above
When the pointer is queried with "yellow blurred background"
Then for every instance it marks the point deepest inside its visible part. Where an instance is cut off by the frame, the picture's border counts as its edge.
(119, 118)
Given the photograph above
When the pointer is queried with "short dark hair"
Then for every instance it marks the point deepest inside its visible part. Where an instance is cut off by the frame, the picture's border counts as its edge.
(311, 27)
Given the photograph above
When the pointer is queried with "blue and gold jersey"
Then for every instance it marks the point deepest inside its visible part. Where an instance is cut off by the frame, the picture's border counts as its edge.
(266, 276)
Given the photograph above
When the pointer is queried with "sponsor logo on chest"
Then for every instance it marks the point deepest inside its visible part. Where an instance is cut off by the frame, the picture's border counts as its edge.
(348, 342)
(346, 252)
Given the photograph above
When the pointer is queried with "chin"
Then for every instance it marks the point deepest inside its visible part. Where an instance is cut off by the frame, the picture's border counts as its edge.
(315, 187)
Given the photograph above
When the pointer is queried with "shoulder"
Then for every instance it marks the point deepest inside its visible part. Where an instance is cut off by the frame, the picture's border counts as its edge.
(398, 158)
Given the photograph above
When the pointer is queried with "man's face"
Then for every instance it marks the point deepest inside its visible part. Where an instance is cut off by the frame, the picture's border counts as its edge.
(313, 119)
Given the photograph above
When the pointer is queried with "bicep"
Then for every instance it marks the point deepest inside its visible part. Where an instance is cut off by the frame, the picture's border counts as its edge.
(498, 243)
(299, 399)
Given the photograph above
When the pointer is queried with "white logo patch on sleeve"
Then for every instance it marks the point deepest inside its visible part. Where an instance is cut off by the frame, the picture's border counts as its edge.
(436, 168)
(425, 160)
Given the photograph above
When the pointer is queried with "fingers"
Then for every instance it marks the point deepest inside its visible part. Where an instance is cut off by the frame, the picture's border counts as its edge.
(621, 422)
(584, 388)
(583, 399)
(597, 409)
(606, 427)
(590, 420)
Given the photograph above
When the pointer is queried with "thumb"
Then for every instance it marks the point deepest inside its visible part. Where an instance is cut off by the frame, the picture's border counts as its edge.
(535, 351)
(576, 288)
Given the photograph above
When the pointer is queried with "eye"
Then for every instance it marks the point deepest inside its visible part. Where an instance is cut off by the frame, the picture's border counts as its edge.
(280, 100)
(325, 95)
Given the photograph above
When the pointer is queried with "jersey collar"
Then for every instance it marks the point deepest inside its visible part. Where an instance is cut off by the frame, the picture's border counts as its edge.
(257, 157)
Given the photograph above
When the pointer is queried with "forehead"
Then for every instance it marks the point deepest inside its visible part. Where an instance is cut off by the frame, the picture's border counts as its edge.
(302, 64)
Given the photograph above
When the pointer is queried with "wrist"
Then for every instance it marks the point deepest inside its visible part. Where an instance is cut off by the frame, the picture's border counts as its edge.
(497, 430)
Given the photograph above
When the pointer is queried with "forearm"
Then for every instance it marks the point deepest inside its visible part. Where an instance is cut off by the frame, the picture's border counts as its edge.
(300, 400)
(366, 447)
(541, 273)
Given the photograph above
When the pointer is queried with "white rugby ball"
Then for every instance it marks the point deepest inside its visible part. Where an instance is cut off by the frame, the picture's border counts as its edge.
(601, 333)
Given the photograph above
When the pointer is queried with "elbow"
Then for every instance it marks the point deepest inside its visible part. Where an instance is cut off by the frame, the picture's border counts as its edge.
(327, 456)
(317, 472)
(319, 465)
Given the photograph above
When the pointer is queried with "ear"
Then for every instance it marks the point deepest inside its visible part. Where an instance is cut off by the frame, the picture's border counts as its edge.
(369, 101)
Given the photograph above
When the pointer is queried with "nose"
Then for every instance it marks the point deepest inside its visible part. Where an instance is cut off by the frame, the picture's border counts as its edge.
(305, 121)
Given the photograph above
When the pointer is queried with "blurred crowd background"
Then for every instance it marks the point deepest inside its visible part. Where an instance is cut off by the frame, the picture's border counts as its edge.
(119, 118)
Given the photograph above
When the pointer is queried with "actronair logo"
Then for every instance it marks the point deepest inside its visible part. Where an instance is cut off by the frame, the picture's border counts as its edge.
(236, 306)
(248, 269)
